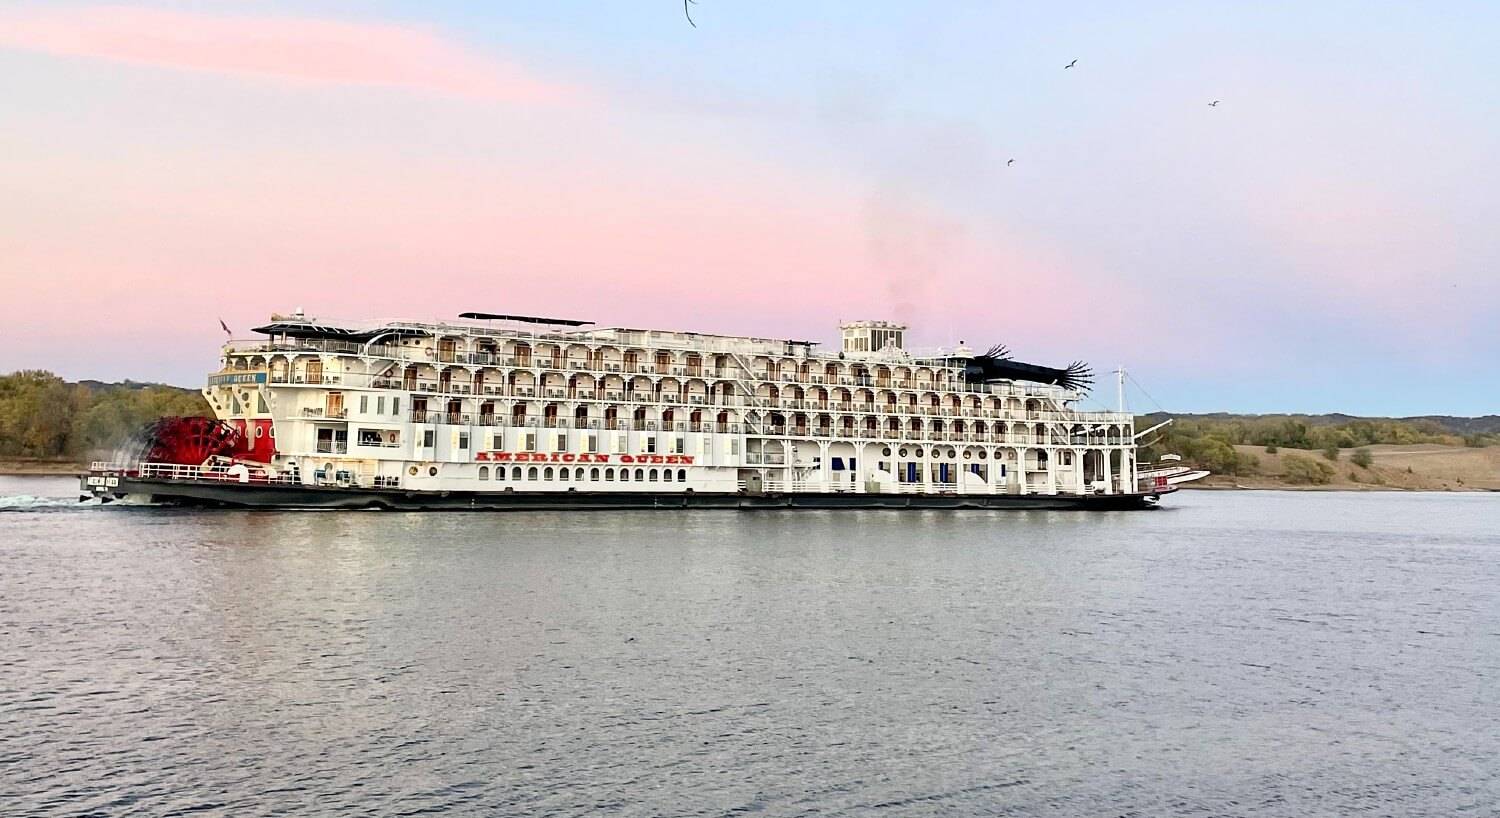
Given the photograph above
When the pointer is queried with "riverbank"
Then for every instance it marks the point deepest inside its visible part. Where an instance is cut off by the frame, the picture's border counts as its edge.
(1422, 467)
(37, 467)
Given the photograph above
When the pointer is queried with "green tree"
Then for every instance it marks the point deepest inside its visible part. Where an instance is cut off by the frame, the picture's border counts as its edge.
(1331, 451)
(1362, 458)
(42, 416)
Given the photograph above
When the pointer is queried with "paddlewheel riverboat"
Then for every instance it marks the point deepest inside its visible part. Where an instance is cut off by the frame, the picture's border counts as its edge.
(518, 412)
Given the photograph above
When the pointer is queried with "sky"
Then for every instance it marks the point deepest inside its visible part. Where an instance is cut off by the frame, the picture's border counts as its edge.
(1326, 238)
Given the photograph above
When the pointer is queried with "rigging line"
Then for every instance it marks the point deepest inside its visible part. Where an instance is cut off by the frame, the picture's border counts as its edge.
(1137, 383)
(1089, 398)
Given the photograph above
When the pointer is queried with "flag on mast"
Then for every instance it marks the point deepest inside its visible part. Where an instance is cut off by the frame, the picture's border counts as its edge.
(226, 328)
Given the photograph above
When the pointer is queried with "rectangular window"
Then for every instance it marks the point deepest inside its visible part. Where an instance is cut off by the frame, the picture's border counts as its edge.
(734, 446)
(497, 441)
(651, 444)
(531, 441)
(429, 438)
(380, 405)
(593, 443)
(396, 405)
(562, 442)
(364, 404)
(463, 440)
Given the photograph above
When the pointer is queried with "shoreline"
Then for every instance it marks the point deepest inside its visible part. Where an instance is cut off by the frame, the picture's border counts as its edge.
(42, 468)
(1358, 489)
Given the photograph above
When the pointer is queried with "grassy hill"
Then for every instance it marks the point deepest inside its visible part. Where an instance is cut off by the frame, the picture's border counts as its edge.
(1433, 452)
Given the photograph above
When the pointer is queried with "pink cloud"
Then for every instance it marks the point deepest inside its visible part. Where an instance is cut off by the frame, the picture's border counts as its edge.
(297, 50)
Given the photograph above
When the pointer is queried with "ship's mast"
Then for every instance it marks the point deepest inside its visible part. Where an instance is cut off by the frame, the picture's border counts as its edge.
(1120, 388)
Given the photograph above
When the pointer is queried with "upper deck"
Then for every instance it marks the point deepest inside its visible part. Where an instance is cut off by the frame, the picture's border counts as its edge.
(650, 352)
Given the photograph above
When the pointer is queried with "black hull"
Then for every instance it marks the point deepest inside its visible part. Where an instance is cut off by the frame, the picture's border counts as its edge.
(242, 495)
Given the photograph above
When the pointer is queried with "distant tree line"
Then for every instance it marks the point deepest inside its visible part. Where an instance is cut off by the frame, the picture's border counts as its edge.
(43, 416)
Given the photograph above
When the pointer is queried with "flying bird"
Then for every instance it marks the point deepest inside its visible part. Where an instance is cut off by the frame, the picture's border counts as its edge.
(1009, 162)
(686, 12)
(1071, 64)
(1213, 104)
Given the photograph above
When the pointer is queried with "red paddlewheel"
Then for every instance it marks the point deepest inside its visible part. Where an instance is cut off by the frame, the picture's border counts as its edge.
(188, 441)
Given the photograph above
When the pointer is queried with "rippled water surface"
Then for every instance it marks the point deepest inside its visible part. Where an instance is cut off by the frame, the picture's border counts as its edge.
(1266, 654)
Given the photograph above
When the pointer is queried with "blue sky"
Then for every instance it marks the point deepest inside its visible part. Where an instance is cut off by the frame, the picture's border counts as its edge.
(1323, 240)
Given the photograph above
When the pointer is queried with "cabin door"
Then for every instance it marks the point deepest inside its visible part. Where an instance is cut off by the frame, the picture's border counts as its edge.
(315, 371)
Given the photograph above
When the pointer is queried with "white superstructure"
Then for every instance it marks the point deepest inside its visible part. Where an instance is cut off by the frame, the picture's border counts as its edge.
(535, 405)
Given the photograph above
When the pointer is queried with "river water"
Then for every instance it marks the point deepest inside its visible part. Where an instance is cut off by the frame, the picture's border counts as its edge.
(1255, 653)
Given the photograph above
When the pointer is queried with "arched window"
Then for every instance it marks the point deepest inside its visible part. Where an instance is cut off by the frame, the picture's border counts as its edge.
(578, 474)
(651, 475)
(500, 473)
(484, 472)
(531, 473)
(515, 473)
(562, 474)
(682, 475)
(609, 475)
(640, 475)
(547, 473)
(624, 475)
(594, 474)
(666, 475)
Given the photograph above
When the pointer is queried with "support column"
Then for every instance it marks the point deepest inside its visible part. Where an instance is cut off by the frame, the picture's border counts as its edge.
(1051, 470)
(1021, 471)
(1109, 480)
(1080, 478)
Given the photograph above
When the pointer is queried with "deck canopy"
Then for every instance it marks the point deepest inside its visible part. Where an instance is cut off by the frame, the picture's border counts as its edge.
(524, 319)
(328, 332)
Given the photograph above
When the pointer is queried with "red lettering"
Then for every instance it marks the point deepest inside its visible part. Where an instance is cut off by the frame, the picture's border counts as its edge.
(502, 456)
(656, 458)
(553, 459)
(569, 458)
(482, 456)
(625, 458)
(686, 459)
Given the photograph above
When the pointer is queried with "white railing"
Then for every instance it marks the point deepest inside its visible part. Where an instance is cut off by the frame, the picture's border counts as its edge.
(214, 474)
(830, 487)
(742, 373)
